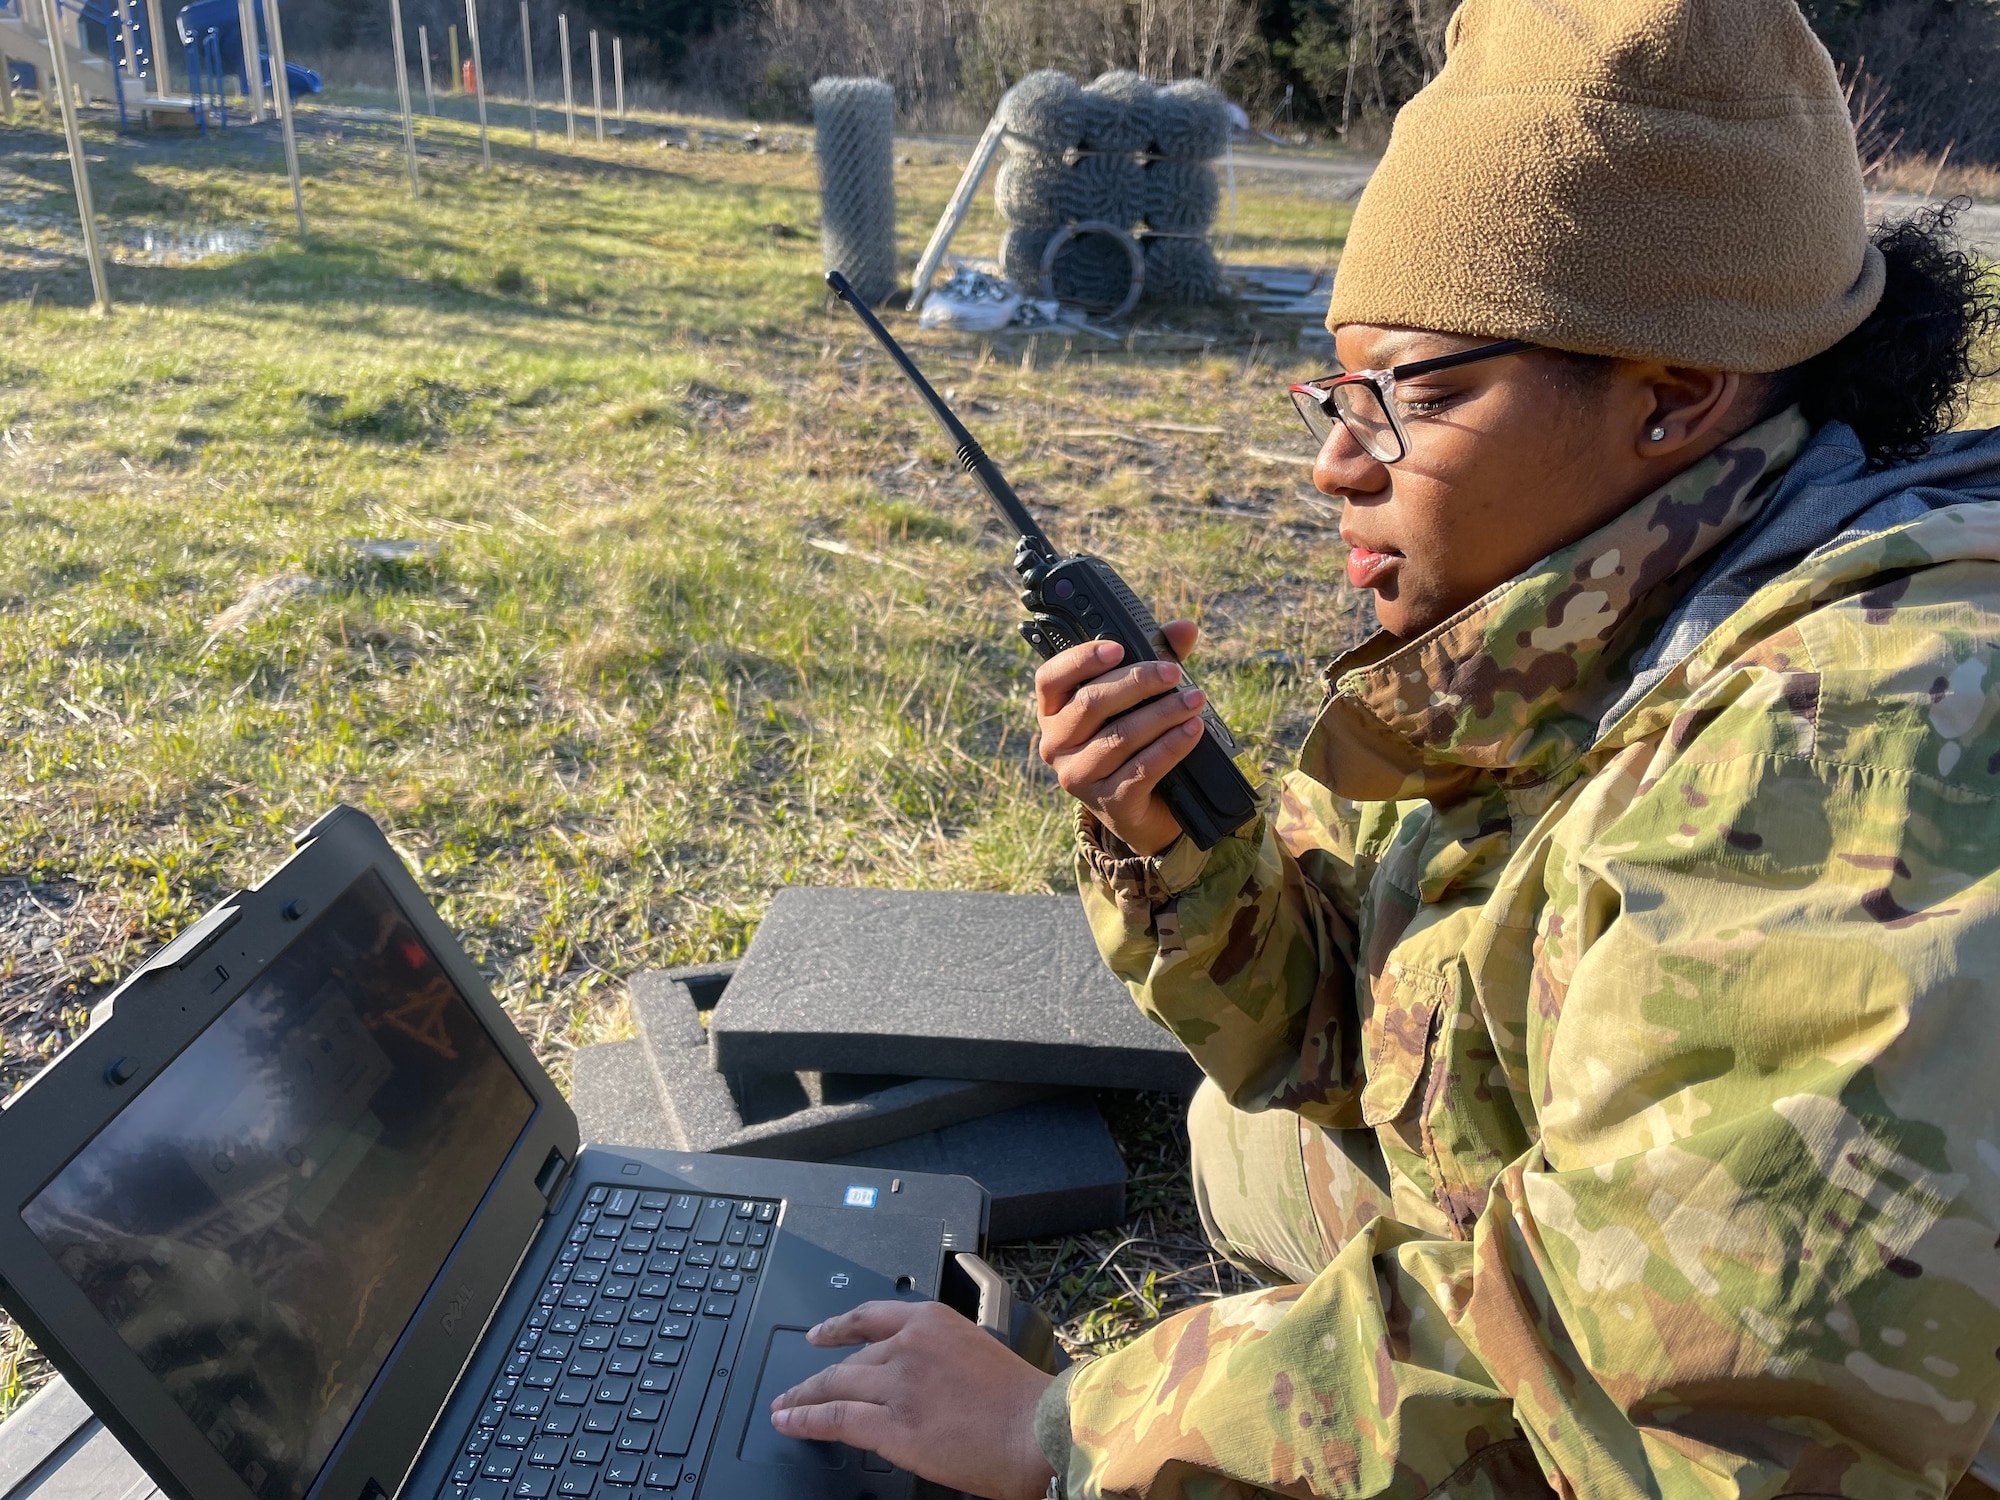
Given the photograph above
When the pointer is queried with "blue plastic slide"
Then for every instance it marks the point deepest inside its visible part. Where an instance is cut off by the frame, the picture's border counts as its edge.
(212, 26)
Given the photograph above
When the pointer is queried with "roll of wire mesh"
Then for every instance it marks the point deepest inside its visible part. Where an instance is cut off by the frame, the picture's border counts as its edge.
(1108, 188)
(1045, 113)
(1021, 257)
(1190, 121)
(1093, 267)
(1031, 190)
(1117, 112)
(855, 120)
(1181, 269)
(1180, 196)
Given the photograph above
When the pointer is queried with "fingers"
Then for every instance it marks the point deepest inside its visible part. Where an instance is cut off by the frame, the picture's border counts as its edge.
(1130, 786)
(1064, 672)
(1124, 737)
(847, 1381)
(1102, 699)
(1181, 636)
(859, 1424)
(869, 1323)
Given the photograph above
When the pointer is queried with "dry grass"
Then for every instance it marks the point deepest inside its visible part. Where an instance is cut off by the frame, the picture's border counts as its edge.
(1937, 177)
(698, 606)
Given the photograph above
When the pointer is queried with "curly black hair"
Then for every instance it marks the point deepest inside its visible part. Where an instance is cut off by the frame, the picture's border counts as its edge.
(1901, 378)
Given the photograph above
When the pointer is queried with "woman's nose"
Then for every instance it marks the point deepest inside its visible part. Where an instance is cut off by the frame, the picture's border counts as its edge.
(1345, 468)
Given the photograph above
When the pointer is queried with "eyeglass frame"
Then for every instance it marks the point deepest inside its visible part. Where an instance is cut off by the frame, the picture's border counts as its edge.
(1320, 389)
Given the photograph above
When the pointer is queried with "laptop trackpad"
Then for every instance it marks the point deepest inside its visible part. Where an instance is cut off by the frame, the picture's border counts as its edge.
(788, 1359)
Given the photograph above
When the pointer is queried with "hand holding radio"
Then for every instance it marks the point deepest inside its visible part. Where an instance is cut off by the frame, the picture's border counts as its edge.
(1075, 600)
(1111, 729)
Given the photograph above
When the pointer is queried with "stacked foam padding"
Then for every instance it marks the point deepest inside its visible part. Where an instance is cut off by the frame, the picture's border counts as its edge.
(854, 121)
(1120, 151)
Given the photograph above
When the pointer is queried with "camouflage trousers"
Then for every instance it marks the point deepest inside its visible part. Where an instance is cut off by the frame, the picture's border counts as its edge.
(1279, 1196)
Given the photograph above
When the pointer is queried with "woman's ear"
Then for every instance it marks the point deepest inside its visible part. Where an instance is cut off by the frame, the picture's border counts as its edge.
(1690, 409)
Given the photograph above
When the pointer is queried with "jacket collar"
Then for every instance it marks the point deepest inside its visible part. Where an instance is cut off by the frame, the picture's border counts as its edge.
(1513, 686)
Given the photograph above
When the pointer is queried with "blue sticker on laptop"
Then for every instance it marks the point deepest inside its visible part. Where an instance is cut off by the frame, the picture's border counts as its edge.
(860, 1197)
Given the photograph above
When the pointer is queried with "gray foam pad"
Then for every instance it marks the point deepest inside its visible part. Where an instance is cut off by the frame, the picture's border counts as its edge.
(938, 984)
(617, 1099)
(808, 1116)
(1051, 1168)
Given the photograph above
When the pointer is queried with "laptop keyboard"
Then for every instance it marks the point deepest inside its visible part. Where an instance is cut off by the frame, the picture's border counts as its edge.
(604, 1387)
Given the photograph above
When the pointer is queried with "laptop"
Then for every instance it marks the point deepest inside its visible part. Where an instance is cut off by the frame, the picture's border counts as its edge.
(301, 1216)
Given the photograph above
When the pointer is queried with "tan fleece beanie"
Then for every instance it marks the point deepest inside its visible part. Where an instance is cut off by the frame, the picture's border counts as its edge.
(1662, 179)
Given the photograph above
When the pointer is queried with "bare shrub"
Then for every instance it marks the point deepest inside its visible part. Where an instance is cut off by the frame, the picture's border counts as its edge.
(1935, 65)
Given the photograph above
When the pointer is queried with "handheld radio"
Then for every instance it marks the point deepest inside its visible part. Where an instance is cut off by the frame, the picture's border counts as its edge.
(1080, 598)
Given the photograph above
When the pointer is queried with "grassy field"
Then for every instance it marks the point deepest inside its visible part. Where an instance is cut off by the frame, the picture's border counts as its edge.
(686, 600)
(698, 607)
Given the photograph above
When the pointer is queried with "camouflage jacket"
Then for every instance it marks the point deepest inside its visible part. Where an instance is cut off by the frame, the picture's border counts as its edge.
(1676, 1014)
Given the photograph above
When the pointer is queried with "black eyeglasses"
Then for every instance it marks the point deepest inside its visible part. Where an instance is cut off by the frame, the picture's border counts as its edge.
(1364, 400)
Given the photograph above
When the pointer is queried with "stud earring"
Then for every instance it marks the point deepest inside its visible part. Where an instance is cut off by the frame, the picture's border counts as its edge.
(1658, 434)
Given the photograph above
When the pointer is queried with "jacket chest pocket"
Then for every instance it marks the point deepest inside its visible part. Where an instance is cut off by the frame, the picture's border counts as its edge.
(1396, 1037)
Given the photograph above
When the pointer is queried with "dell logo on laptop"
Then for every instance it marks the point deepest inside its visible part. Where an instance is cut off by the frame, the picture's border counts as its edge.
(454, 1308)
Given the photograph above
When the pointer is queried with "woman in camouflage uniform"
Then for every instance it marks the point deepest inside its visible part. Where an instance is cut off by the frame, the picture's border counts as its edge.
(1602, 1024)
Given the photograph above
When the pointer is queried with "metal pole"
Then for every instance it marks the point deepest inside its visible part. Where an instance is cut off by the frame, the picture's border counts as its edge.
(79, 170)
(156, 46)
(569, 94)
(125, 32)
(597, 88)
(956, 209)
(6, 92)
(478, 77)
(456, 83)
(430, 93)
(403, 92)
(281, 98)
(253, 73)
(528, 72)
(618, 72)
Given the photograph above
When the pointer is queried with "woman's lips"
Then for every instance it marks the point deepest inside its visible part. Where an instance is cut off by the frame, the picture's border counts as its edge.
(1365, 566)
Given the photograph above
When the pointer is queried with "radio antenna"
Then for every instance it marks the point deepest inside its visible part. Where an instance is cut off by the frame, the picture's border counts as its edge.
(971, 457)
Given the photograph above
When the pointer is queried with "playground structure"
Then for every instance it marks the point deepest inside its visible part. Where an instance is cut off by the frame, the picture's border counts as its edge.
(116, 52)
(52, 42)
(212, 36)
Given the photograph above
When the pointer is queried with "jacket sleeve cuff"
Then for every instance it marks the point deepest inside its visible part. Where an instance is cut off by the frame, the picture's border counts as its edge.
(1052, 1434)
(1133, 879)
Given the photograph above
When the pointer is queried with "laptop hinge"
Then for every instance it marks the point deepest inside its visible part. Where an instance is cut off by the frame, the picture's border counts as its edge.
(554, 1173)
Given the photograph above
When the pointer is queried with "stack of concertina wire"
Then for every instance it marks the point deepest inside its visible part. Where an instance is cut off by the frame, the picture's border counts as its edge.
(855, 122)
(1120, 151)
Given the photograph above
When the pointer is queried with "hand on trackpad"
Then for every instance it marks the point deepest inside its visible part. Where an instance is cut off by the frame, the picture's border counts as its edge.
(788, 1360)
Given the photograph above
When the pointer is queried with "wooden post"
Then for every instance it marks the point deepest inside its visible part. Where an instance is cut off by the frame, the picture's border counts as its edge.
(157, 47)
(6, 91)
(569, 93)
(430, 92)
(253, 73)
(528, 73)
(79, 169)
(456, 83)
(618, 72)
(478, 78)
(403, 92)
(281, 98)
(597, 88)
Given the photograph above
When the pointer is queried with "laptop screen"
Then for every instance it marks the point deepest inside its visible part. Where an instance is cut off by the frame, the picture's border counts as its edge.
(262, 1220)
